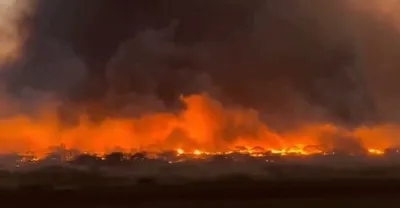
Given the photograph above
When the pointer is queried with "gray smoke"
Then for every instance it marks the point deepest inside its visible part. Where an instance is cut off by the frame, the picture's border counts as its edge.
(293, 61)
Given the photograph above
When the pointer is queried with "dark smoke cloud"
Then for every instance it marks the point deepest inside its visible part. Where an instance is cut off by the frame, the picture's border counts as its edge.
(286, 59)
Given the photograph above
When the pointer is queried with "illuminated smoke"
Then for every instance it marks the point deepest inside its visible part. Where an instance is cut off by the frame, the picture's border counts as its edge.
(276, 74)
(11, 38)
(204, 124)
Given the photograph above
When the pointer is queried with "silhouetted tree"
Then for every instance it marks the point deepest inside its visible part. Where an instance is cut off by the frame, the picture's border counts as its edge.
(86, 160)
(139, 156)
(115, 158)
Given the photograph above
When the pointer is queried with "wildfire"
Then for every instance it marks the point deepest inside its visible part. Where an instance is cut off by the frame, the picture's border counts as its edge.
(282, 152)
(204, 127)
(180, 151)
(376, 152)
(198, 152)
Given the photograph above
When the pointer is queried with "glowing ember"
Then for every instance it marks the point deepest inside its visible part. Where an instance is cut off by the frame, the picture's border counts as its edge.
(198, 152)
(180, 151)
(376, 152)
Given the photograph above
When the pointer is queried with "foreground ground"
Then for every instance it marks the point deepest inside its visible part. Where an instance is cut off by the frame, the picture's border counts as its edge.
(308, 182)
(232, 192)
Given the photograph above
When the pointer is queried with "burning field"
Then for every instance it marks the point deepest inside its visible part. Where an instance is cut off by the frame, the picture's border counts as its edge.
(261, 81)
(156, 101)
(204, 126)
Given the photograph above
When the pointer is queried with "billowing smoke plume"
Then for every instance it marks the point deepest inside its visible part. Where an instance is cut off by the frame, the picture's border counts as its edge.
(11, 38)
(293, 62)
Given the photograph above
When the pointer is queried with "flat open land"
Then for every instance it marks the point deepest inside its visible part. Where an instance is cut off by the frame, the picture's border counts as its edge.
(342, 182)
(230, 192)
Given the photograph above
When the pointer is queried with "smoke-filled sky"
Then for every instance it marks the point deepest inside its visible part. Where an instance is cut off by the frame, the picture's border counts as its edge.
(303, 59)
(292, 62)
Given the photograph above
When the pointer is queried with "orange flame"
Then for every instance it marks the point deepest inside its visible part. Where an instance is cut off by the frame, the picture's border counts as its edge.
(204, 126)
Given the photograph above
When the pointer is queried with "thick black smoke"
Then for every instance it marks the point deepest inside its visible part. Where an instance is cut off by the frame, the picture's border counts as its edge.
(291, 60)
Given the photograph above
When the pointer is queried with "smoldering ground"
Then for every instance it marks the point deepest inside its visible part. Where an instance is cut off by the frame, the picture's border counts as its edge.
(308, 61)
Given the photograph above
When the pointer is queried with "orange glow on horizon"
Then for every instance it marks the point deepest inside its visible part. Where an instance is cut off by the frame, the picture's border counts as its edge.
(205, 126)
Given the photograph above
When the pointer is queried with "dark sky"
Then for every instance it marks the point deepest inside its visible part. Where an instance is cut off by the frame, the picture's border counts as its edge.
(293, 61)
